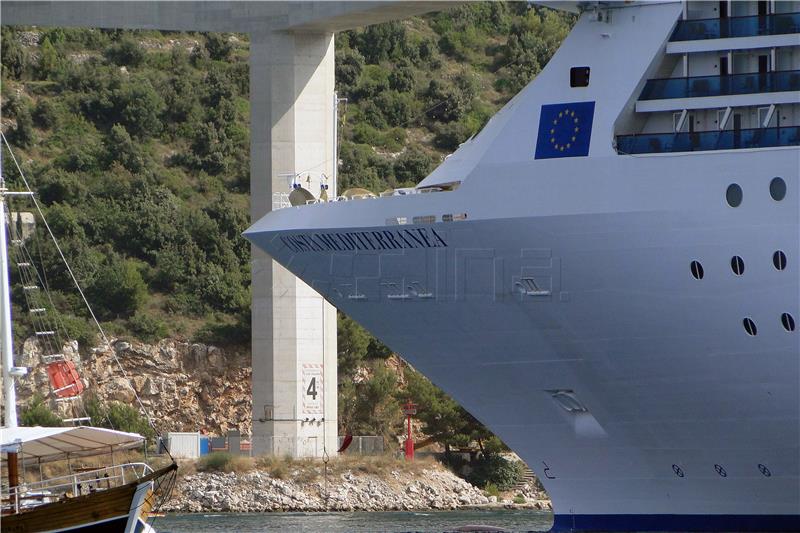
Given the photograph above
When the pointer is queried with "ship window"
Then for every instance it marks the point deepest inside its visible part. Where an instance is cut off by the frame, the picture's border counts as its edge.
(779, 260)
(777, 189)
(579, 77)
(788, 322)
(750, 327)
(696, 269)
(734, 195)
(737, 265)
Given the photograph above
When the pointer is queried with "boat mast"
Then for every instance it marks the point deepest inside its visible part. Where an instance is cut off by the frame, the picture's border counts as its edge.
(6, 340)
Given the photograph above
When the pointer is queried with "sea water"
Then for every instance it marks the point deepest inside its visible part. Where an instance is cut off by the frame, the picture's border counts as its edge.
(433, 521)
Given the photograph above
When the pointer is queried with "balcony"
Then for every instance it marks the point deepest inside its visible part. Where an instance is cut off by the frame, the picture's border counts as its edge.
(702, 86)
(657, 143)
(779, 24)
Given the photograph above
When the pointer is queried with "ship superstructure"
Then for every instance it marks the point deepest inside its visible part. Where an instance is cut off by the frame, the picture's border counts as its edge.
(607, 274)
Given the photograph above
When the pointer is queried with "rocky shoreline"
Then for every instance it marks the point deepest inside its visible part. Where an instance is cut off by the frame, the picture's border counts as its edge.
(258, 491)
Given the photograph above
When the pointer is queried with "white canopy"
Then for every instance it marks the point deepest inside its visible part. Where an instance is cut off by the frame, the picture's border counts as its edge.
(51, 444)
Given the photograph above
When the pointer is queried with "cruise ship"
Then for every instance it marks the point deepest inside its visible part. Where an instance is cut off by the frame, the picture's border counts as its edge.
(606, 275)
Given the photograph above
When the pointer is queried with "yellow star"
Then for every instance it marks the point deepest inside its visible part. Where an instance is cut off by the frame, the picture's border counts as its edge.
(560, 115)
(573, 138)
(568, 145)
(552, 130)
(576, 120)
(561, 148)
(555, 121)
(577, 129)
(572, 113)
(552, 139)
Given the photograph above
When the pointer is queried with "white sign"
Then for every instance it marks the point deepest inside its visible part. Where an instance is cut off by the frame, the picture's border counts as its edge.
(312, 389)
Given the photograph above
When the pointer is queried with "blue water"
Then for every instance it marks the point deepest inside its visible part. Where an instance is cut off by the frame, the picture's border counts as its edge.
(434, 521)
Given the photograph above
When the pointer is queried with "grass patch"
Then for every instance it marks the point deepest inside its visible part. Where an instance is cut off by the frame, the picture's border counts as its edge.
(224, 462)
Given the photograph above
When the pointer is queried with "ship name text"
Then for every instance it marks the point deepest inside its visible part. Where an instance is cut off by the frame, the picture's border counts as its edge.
(365, 240)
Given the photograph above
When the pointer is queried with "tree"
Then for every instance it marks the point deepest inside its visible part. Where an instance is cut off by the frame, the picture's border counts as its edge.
(45, 114)
(352, 344)
(412, 166)
(369, 406)
(140, 107)
(219, 48)
(23, 134)
(51, 64)
(122, 149)
(14, 58)
(126, 52)
(118, 288)
(349, 65)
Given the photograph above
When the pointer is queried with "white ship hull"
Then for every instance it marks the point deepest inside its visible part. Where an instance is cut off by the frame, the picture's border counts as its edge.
(573, 276)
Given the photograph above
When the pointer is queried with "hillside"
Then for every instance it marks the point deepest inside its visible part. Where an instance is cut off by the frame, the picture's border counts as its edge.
(138, 145)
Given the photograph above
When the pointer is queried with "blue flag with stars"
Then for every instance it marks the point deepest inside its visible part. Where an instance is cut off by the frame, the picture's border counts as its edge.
(564, 130)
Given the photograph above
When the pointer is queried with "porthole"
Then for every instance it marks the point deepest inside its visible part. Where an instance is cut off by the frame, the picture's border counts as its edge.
(777, 189)
(697, 270)
(737, 265)
(750, 327)
(788, 322)
(734, 195)
(779, 260)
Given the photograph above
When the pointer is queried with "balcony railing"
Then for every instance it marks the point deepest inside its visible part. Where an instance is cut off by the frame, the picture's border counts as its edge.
(782, 23)
(699, 86)
(656, 143)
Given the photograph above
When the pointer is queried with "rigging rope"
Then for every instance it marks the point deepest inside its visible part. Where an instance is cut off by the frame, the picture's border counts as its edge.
(80, 291)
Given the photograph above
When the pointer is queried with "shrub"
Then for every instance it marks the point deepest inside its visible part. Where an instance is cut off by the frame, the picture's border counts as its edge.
(126, 52)
(147, 327)
(450, 136)
(45, 114)
(24, 134)
(349, 64)
(37, 413)
(493, 469)
(218, 46)
(412, 166)
(122, 149)
(491, 490)
(118, 288)
(116, 415)
(519, 499)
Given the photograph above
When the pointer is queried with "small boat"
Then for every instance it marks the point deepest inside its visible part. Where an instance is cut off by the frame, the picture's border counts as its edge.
(116, 497)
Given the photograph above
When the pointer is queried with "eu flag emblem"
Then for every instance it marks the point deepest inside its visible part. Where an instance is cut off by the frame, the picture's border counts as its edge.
(564, 130)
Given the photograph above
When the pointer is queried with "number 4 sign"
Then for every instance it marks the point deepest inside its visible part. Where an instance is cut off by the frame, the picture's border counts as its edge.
(312, 384)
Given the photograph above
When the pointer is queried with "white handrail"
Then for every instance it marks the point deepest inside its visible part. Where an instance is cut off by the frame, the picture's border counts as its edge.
(102, 479)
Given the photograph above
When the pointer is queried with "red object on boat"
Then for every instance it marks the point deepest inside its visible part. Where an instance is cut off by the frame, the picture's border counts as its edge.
(64, 379)
(345, 443)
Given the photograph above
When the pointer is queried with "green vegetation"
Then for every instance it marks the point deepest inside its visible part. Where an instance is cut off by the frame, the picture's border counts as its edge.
(417, 89)
(138, 145)
(491, 490)
(140, 155)
(494, 469)
(116, 415)
(224, 462)
(37, 413)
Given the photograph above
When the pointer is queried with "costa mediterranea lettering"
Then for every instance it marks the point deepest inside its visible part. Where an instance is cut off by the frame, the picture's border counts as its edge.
(364, 240)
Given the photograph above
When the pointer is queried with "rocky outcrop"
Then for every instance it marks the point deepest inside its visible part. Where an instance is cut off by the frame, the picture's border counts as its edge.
(185, 386)
(257, 491)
